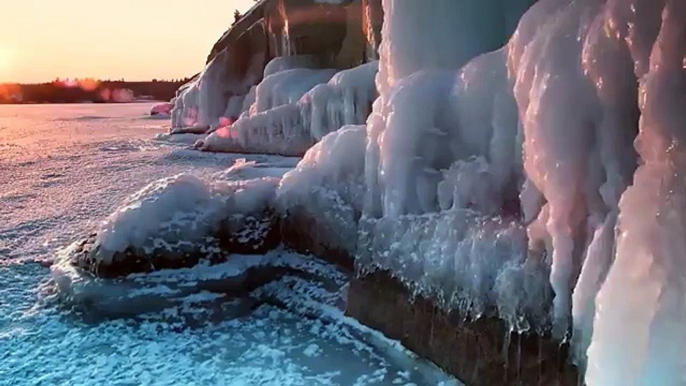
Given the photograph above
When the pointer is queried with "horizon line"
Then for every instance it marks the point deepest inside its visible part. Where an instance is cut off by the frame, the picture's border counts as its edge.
(56, 80)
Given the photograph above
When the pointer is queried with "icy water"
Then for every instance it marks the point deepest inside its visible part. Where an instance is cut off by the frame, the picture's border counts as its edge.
(63, 168)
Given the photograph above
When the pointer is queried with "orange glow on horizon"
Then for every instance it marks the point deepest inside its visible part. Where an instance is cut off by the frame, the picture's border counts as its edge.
(124, 39)
(9, 91)
(87, 84)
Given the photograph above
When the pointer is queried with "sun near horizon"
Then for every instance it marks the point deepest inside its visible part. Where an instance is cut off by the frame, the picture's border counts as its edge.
(131, 39)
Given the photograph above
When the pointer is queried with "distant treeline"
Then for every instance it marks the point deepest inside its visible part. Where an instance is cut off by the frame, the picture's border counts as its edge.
(89, 90)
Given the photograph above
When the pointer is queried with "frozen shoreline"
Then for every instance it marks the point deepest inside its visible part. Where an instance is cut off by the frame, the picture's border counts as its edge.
(61, 184)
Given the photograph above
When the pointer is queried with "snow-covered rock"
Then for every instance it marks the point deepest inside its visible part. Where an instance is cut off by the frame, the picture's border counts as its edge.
(162, 109)
(181, 220)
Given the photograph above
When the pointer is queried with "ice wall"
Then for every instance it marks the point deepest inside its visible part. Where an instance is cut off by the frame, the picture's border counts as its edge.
(543, 132)
(203, 102)
(579, 156)
(640, 321)
(585, 71)
(420, 59)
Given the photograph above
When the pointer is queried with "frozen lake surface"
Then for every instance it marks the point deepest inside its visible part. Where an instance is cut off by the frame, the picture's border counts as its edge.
(63, 169)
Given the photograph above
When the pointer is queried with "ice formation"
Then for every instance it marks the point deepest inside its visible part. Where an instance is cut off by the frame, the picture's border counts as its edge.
(419, 64)
(283, 63)
(292, 109)
(579, 74)
(642, 304)
(185, 111)
(162, 109)
(443, 164)
(219, 90)
(328, 184)
(181, 209)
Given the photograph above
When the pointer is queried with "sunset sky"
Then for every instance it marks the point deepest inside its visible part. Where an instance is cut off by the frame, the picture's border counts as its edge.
(41, 40)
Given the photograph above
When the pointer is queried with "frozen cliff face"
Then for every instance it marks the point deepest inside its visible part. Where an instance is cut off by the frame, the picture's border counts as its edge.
(292, 109)
(579, 157)
(597, 86)
(617, 67)
(543, 180)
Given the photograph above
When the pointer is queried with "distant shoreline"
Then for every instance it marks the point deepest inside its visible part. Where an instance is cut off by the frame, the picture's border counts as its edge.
(82, 102)
(89, 91)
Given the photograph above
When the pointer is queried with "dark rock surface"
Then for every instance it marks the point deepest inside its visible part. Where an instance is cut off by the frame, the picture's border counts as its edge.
(372, 13)
(244, 234)
(135, 260)
(336, 33)
(306, 233)
(480, 352)
(251, 233)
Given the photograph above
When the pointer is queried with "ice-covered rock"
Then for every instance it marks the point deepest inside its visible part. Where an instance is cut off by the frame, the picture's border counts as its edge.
(321, 199)
(430, 113)
(612, 65)
(642, 303)
(180, 220)
(162, 109)
(283, 63)
(475, 265)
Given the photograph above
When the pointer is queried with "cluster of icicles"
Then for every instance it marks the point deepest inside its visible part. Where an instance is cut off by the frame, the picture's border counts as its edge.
(294, 106)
